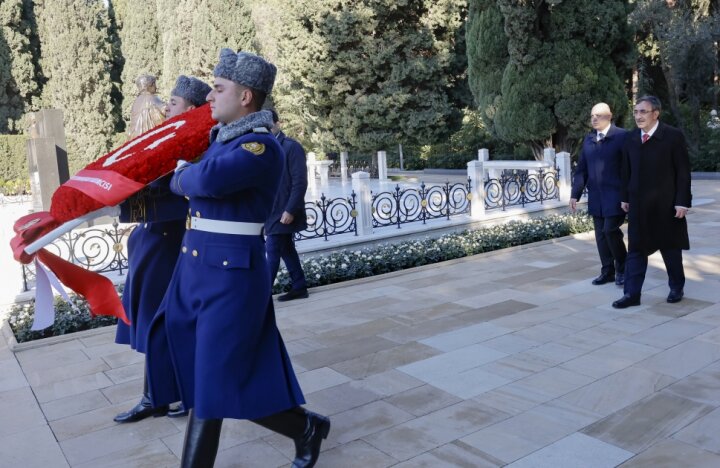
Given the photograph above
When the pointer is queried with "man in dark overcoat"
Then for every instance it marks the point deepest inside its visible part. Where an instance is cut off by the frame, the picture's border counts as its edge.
(599, 170)
(288, 216)
(153, 249)
(656, 195)
(214, 343)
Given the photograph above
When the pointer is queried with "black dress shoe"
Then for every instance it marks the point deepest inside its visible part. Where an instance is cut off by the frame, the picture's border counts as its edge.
(603, 278)
(294, 294)
(141, 411)
(307, 448)
(620, 279)
(626, 301)
(675, 296)
(178, 412)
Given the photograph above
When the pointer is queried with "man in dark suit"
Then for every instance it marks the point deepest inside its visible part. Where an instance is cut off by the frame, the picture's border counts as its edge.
(656, 195)
(599, 171)
(288, 215)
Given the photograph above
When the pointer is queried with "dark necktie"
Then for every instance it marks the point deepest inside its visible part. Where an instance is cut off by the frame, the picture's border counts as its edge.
(645, 137)
(601, 136)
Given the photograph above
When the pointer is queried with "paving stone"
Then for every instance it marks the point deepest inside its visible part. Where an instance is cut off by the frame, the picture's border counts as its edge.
(126, 391)
(423, 400)
(123, 358)
(453, 362)
(340, 398)
(455, 454)
(385, 360)
(19, 411)
(103, 442)
(670, 333)
(76, 425)
(387, 383)
(618, 390)
(72, 386)
(344, 352)
(673, 453)
(648, 421)
(254, 454)
(75, 404)
(154, 454)
(703, 433)
(683, 359)
(610, 359)
(363, 421)
(33, 448)
(320, 379)
(38, 378)
(356, 454)
(12, 376)
(127, 373)
(574, 451)
(465, 336)
(405, 440)
(702, 386)
(106, 336)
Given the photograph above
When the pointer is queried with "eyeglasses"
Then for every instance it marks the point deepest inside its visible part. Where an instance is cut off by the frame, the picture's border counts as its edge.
(599, 116)
(642, 111)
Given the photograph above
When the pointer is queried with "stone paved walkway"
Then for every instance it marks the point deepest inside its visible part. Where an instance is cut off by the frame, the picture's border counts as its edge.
(508, 358)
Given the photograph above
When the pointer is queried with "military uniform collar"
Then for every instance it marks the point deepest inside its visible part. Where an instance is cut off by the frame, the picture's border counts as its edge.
(258, 122)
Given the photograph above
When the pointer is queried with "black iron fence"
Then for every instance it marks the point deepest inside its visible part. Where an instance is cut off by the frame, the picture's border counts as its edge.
(99, 249)
(411, 205)
(329, 217)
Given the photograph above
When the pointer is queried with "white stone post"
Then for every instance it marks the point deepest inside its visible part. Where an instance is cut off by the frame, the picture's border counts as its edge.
(382, 165)
(343, 165)
(563, 165)
(363, 203)
(483, 154)
(477, 180)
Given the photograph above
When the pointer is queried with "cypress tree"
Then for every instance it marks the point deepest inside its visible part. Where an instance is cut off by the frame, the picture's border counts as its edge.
(368, 75)
(140, 45)
(77, 58)
(19, 81)
(550, 63)
(194, 31)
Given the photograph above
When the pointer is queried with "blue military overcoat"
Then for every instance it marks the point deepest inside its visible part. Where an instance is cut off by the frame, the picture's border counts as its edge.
(153, 248)
(214, 343)
(291, 193)
(599, 169)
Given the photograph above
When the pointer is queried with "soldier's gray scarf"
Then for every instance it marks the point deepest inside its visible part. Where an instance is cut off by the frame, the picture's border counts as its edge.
(223, 132)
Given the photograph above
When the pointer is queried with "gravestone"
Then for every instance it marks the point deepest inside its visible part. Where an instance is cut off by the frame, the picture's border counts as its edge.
(47, 156)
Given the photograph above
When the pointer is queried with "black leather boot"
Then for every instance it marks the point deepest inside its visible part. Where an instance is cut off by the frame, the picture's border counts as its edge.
(305, 428)
(202, 438)
(142, 410)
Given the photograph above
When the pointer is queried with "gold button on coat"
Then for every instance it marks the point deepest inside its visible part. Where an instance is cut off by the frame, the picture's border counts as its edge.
(225, 263)
(184, 249)
(197, 214)
(195, 253)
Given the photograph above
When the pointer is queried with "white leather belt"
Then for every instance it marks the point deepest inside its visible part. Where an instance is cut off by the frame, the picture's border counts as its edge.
(226, 227)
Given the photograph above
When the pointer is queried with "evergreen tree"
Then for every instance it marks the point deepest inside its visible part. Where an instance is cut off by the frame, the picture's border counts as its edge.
(19, 81)
(368, 75)
(76, 58)
(679, 39)
(537, 78)
(140, 45)
(194, 31)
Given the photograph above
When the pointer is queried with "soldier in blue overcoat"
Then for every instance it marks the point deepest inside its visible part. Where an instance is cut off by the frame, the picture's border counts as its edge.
(599, 170)
(214, 343)
(153, 249)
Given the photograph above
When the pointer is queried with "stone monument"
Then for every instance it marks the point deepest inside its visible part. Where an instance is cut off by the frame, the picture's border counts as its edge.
(47, 156)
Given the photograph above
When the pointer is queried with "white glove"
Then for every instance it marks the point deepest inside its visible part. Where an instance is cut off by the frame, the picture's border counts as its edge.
(180, 164)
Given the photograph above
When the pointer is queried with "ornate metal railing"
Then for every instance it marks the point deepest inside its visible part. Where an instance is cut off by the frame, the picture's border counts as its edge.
(518, 188)
(329, 217)
(98, 249)
(411, 205)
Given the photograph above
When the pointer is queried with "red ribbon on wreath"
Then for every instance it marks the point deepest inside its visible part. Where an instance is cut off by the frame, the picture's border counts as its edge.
(104, 183)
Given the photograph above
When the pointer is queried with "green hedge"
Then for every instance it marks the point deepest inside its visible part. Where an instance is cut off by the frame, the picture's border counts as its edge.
(14, 176)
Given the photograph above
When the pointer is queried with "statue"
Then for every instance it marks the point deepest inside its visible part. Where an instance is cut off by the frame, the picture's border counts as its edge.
(148, 110)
